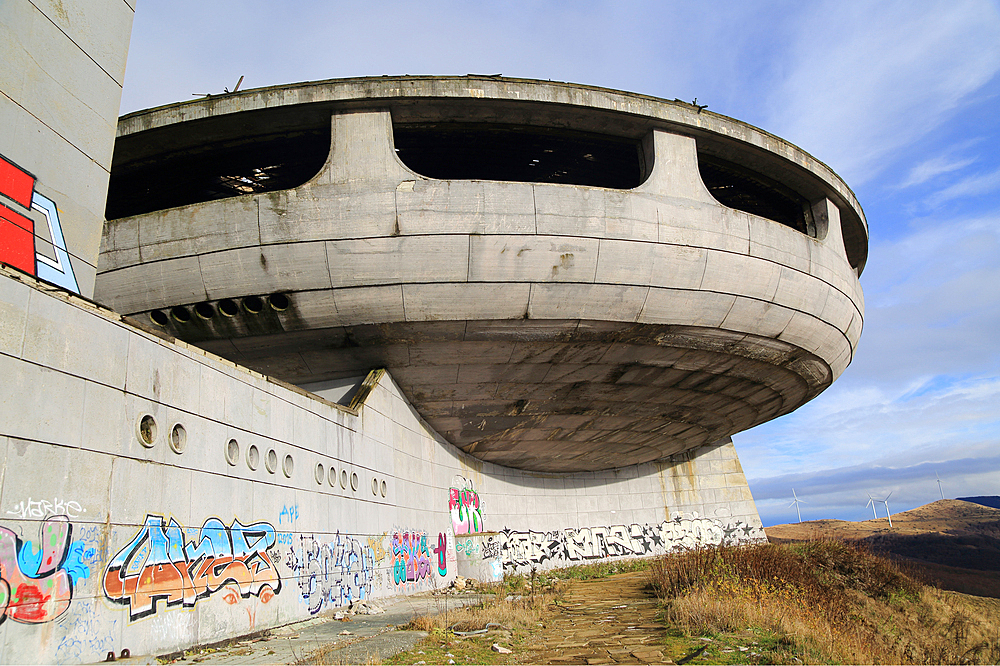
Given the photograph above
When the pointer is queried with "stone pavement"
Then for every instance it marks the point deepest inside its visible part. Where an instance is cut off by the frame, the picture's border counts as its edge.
(358, 639)
(606, 621)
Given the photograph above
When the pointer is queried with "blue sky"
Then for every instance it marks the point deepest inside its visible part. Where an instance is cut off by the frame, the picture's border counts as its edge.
(900, 98)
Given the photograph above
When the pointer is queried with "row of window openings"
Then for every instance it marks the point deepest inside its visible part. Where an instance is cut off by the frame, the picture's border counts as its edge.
(148, 431)
(226, 307)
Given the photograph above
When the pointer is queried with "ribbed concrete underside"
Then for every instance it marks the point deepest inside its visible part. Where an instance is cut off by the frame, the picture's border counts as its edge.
(559, 396)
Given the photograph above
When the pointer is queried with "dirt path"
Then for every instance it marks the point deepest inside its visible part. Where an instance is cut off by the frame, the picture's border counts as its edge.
(606, 621)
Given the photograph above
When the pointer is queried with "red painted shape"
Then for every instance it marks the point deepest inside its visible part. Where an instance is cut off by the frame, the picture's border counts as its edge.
(17, 240)
(29, 604)
(16, 184)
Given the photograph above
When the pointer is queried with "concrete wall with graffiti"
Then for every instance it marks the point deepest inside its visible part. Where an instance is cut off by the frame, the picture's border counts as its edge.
(63, 69)
(155, 497)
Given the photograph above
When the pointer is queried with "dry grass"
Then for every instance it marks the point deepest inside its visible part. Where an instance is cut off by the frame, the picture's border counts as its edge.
(825, 602)
(521, 612)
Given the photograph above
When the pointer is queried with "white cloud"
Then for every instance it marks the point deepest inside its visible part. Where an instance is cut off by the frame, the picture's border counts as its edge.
(871, 78)
(970, 186)
(933, 168)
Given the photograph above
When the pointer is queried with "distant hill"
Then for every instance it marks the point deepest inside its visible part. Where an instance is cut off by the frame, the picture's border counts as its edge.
(956, 543)
(992, 501)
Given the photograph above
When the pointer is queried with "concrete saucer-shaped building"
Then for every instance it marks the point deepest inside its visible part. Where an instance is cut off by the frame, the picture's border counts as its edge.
(560, 278)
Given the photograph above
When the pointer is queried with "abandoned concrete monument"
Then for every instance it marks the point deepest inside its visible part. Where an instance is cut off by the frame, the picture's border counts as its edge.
(269, 352)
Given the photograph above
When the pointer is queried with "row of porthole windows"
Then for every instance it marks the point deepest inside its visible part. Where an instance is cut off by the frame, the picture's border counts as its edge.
(147, 431)
(227, 307)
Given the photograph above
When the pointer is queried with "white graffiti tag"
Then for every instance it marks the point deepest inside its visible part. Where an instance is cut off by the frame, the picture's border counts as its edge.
(43, 508)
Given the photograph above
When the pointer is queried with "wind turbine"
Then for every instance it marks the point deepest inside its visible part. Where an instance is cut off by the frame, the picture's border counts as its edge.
(796, 502)
(871, 503)
(939, 483)
(886, 502)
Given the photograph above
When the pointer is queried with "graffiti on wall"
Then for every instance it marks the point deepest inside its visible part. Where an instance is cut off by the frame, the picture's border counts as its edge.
(30, 508)
(441, 550)
(411, 560)
(332, 573)
(466, 509)
(520, 549)
(38, 251)
(160, 563)
(36, 584)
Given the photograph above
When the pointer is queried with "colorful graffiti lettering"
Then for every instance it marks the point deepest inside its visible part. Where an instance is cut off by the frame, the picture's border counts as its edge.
(37, 585)
(18, 245)
(411, 559)
(442, 552)
(464, 504)
(521, 550)
(333, 573)
(40, 508)
(377, 544)
(289, 514)
(159, 563)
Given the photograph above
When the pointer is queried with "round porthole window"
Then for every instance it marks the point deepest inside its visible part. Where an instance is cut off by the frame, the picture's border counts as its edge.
(232, 452)
(343, 479)
(253, 457)
(383, 489)
(320, 473)
(271, 461)
(145, 430)
(178, 438)
(287, 466)
(354, 481)
(331, 477)
(374, 486)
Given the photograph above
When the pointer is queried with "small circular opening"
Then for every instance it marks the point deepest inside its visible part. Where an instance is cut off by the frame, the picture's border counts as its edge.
(287, 466)
(374, 486)
(320, 473)
(253, 457)
(253, 304)
(271, 461)
(331, 477)
(354, 481)
(147, 430)
(178, 438)
(204, 310)
(232, 452)
(278, 302)
(343, 479)
(228, 307)
(159, 317)
(180, 314)
(383, 489)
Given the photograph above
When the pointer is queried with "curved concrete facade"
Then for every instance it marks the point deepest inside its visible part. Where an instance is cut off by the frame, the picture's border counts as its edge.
(542, 326)
(180, 499)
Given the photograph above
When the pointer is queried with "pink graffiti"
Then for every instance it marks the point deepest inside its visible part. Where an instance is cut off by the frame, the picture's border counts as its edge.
(463, 502)
(411, 559)
(442, 552)
(38, 586)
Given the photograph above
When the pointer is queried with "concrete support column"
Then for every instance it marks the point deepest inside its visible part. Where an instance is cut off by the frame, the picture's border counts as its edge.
(675, 168)
(362, 150)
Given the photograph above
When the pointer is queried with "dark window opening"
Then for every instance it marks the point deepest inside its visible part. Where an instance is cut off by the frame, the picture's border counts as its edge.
(737, 187)
(217, 171)
(525, 154)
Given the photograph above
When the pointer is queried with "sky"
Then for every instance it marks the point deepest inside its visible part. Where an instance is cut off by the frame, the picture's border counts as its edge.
(902, 99)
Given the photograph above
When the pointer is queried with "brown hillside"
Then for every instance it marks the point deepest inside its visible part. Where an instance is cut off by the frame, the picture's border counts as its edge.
(955, 543)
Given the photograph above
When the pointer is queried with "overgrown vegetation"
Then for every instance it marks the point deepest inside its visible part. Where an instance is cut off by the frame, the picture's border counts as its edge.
(822, 602)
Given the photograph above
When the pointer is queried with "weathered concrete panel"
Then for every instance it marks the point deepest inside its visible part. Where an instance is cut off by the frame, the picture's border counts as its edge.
(403, 259)
(532, 259)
